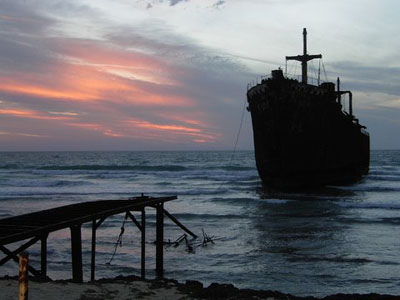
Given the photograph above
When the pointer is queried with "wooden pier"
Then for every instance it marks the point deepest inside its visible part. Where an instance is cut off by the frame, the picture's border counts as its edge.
(37, 226)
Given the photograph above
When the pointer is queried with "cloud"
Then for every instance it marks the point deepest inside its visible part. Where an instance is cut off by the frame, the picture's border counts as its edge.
(368, 78)
(19, 134)
(134, 83)
(32, 114)
(219, 3)
(174, 2)
(206, 3)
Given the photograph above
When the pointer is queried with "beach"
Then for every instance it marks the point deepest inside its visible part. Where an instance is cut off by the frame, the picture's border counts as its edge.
(132, 287)
(112, 289)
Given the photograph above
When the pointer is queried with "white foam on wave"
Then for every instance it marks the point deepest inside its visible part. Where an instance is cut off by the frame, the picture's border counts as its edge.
(370, 205)
(277, 201)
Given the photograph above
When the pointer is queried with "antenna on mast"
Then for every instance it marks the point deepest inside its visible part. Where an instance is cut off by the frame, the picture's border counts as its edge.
(304, 58)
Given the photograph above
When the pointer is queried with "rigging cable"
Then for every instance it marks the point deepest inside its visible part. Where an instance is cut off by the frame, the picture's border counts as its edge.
(319, 71)
(323, 67)
(119, 240)
(285, 67)
(236, 142)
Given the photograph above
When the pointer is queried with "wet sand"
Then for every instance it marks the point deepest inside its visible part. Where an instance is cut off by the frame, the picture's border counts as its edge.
(133, 287)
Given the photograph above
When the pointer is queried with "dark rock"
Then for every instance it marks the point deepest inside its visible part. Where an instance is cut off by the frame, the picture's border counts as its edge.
(194, 284)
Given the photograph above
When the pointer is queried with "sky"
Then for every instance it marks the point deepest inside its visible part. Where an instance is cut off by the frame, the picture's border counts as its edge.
(173, 74)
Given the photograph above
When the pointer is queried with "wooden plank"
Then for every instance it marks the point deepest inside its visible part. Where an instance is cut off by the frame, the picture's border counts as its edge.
(119, 207)
(76, 253)
(43, 255)
(39, 224)
(132, 217)
(23, 276)
(16, 259)
(13, 254)
(93, 256)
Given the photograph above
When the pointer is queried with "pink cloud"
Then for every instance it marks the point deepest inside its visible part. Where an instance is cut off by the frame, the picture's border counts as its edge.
(30, 114)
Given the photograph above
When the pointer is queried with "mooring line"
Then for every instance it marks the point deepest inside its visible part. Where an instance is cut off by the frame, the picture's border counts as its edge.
(236, 143)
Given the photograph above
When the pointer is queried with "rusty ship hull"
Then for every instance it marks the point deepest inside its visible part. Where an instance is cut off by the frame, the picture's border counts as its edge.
(302, 135)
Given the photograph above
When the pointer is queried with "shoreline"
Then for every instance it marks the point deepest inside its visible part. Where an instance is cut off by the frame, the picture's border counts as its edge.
(133, 287)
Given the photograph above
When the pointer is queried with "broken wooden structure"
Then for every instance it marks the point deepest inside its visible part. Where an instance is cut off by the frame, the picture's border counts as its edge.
(37, 226)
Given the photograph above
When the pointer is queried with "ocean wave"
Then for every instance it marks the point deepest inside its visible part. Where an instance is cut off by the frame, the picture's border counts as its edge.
(206, 216)
(372, 188)
(380, 177)
(368, 205)
(83, 196)
(9, 166)
(248, 200)
(170, 168)
(235, 168)
(208, 191)
(334, 259)
(234, 201)
(42, 183)
(384, 221)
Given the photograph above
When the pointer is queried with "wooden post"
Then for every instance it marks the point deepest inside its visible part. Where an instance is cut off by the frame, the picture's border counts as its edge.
(76, 253)
(23, 276)
(143, 231)
(93, 258)
(43, 256)
(160, 240)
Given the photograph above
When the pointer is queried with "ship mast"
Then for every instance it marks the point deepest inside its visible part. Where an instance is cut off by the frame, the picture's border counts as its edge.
(304, 58)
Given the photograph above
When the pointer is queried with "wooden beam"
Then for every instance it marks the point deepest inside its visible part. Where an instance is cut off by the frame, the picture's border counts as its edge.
(175, 220)
(43, 255)
(13, 254)
(76, 253)
(100, 221)
(16, 259)
(160, 240)
(93, 257)
(77, 214)
(23, 276)
(132, 217)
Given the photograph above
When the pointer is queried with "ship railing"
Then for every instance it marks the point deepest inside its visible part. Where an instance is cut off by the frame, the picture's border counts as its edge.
(256, 81)
(259, 79)
(310, 80)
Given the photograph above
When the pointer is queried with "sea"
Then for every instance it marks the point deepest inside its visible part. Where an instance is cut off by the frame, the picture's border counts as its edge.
(336, 239)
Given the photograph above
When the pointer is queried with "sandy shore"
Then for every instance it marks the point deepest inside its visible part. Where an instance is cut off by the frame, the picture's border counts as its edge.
(112, 289)
(124, 288)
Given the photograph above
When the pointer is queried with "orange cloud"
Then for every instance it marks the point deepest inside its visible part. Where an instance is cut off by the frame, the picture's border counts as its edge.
(97, 127)
(179, 118)
(22, 134)
(149, 125)
(45, 92)
(91, 75)
(162, 129)
(111, 133)
(101, 54)
(31, 114)
(63, 113)
(90, 126)
(87, 84)
(201, 141)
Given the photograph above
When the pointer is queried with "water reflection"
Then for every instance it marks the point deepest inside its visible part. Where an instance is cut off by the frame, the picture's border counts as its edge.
(303, 235)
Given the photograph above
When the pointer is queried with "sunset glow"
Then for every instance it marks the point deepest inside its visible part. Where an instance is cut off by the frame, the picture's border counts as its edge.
(32, 115)
(122, 75)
